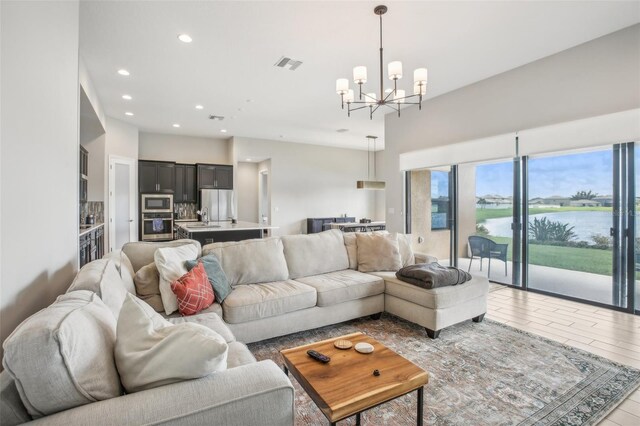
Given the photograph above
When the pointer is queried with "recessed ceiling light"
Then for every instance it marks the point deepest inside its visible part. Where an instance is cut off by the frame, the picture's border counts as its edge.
(127, 97)
(223, 130)
(123, 72)
(128, 113)
(185, 38)
(248, 159)
(199, 107)
(176, 125)
(249, 101)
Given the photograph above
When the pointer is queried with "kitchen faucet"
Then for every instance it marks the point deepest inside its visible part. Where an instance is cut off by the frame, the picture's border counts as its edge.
(205, 215)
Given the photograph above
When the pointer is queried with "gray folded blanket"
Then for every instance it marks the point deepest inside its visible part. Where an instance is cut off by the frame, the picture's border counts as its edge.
(432, 275)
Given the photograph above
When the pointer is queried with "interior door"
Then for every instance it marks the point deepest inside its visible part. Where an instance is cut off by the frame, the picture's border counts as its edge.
(122, 202)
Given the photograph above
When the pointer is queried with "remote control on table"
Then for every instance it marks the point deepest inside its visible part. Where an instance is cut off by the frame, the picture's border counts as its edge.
(318, 356)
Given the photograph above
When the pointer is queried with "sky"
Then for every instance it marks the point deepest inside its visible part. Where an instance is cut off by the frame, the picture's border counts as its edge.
(554, 175)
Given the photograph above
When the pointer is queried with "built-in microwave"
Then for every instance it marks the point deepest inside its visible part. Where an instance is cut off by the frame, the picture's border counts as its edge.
(155, 203)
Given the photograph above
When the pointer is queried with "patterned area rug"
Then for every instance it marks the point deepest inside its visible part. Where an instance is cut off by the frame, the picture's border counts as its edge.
(480, 374)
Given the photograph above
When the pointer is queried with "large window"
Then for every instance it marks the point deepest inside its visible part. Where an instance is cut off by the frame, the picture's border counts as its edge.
(440, 203)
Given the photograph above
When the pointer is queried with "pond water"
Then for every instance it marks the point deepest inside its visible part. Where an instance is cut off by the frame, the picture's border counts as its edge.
(585, 223)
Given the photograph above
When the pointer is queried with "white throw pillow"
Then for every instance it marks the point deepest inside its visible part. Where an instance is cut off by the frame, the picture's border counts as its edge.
(170, 263)
(62, 356)
(152, 352)
(406, 252)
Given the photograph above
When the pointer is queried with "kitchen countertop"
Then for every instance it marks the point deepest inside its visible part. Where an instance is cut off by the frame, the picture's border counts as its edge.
(223, 226)
(93, 227)
(195, 219)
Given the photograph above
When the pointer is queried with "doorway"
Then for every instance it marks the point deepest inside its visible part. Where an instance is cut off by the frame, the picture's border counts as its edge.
(122, 202)
(264, 199)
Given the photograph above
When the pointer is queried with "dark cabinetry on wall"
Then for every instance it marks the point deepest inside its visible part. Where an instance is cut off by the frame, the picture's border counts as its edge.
(156, 177)
(186, 190)
(84, 172)
(92, 246)
(212, 176)
(317, 224)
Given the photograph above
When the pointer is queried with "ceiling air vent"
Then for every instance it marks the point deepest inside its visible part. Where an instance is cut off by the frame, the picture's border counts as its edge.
(216, 117)
(285, 62)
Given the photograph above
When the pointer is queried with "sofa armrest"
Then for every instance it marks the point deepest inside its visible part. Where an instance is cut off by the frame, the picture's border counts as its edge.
(253, 394)
(424, 258)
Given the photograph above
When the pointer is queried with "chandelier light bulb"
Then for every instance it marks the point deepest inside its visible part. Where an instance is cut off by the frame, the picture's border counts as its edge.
(395, 70)
(420, 76)
(342, 86)
(360, 75)
(399, 96)
(349, 97)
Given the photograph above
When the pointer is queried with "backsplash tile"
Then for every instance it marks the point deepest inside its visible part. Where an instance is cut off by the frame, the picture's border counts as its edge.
(185, 210)
(92, 207)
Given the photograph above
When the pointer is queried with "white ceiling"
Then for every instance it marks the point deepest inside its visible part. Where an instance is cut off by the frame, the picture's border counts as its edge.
(229, 66)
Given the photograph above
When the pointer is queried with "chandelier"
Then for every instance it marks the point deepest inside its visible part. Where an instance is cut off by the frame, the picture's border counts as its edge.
(394, 98)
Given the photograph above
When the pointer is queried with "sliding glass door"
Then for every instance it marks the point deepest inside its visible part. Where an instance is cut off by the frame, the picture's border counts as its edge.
(561, 224)
(570, 225)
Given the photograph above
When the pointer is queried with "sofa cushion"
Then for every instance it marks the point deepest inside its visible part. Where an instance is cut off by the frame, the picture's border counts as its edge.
(404, 246)
(193, 291)
(147, 283)
(256, 301)
(142, 253)
(342, 286)
(251, 261)
(378, 252)
(210, 320)
(102, 277)
(315, 254)
(152, 352)
(62, 356)
(170, 262)
(125, 268)
(437, 298)
(352, 249)
(215, 275)
(239, 355)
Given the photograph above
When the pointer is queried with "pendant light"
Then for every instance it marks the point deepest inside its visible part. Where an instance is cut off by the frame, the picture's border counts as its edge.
(371, 183)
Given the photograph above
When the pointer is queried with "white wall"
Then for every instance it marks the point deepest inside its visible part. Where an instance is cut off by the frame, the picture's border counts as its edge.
(310, 181)
(246, 189)
(89, 89)
(121, 140)
(39, 159)
(183, 149)
(595, 78)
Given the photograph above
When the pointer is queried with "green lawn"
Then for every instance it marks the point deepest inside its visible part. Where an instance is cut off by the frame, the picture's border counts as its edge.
(572, 258)
(484, 214)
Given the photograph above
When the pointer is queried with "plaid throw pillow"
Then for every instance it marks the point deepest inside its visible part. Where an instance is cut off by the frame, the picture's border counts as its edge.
(193, 291)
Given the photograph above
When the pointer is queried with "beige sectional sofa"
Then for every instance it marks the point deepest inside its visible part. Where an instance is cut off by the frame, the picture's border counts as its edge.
(281, 285)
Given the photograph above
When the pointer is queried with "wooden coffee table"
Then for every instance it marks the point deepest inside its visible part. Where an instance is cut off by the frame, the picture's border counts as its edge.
(346, 386)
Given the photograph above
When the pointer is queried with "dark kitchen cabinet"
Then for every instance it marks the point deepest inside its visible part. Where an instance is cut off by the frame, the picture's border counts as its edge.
(211, 176)
(156, 177)
(91, 245)
(84, 172)
(186, 190)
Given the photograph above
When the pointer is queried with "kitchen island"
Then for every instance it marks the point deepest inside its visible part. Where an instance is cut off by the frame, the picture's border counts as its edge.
(217, 232)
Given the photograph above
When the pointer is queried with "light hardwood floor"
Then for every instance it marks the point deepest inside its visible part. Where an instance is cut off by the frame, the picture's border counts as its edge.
(610, 334)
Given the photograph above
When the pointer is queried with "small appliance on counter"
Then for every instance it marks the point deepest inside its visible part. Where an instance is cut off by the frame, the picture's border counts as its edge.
(90, 220)
(365, 220)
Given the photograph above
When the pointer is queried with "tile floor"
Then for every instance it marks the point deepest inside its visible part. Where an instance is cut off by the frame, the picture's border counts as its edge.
(610, 334)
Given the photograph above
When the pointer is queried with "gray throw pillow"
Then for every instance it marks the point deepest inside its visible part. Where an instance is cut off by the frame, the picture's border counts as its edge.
(216, 275)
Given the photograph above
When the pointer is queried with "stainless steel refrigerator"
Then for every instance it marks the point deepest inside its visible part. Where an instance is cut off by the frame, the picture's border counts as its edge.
(219, 202)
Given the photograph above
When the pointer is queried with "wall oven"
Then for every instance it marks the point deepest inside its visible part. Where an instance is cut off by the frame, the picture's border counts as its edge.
(156, 217)
(156, 203)
(157, 226)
